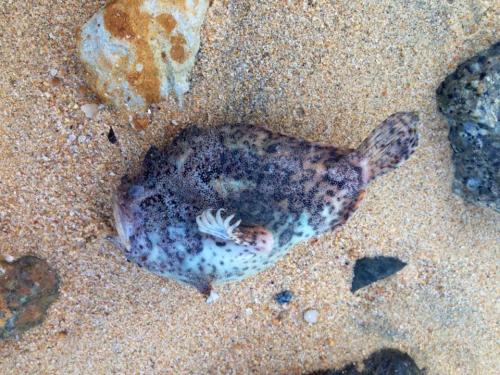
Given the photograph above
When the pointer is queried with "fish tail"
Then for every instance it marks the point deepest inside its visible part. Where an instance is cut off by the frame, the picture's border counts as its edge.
(388, 146)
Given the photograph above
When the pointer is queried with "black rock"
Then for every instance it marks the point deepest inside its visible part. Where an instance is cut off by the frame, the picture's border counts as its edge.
(469, 98)
(390, 362)
(369, 270)
(283, 297)
(112, 136)
(347, 370)
(382, 362)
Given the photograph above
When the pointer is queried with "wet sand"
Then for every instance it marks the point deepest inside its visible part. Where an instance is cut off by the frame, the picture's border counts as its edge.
(328, 71)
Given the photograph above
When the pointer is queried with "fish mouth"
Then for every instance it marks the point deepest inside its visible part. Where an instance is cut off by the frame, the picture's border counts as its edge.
(123, 221)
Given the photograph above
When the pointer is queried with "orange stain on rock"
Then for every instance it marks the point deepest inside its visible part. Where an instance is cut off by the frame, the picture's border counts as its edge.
(118, 22)
(124, 20)
(167, 21)
(177, 51)
(179, 4)
(140, 122)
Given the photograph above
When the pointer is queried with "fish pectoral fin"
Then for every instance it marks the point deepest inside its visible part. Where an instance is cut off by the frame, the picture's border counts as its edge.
(254, 237)
(216, 226)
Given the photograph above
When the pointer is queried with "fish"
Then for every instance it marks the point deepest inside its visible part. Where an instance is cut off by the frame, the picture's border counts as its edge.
(221, 204)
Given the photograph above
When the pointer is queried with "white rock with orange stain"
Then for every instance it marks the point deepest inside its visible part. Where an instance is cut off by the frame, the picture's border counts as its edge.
(137, 52)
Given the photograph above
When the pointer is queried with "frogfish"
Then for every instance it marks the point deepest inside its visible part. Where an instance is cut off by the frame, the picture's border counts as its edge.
(224, 203)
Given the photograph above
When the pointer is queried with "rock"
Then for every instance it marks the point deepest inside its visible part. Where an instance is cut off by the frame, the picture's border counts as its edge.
(28, 286)
(283, 297)
(71, 139)
(136, 52)
(391, 362)
(382, 362)
(90, 110)
(311, 316)
(112, 136)
(347, 370)
(369, 270)
(212, 298)
(469, 98)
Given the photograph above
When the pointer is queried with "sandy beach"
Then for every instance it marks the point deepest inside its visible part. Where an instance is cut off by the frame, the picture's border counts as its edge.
(328, 71)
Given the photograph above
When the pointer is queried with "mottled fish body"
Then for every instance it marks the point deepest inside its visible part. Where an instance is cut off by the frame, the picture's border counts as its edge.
(222, 204)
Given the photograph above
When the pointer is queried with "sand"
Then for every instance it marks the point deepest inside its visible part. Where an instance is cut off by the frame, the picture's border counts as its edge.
(324, 70)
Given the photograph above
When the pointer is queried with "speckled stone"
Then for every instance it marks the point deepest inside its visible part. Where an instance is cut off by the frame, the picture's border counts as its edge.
(28, 286)
(469, 98)
(137, 52)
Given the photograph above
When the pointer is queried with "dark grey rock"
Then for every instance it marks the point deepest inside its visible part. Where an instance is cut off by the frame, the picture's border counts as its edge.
(382, 362)
(283, 297)
(470, 100)
(369, 270)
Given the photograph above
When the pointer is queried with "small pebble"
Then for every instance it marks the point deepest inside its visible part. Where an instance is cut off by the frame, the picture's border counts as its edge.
(90, 110)
(213, 297)
(53, 72)
(112, 136)
(71, 138)
(283, 297)
(117, 348)
(311, 316)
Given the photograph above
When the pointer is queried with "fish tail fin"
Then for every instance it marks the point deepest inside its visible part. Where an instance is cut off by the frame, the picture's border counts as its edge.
(388, 146)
